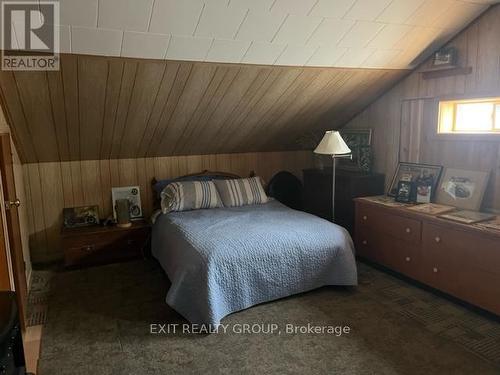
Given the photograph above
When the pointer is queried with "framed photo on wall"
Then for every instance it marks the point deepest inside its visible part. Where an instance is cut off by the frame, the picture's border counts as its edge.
(359, 141)
(419, 174)
(462, 188)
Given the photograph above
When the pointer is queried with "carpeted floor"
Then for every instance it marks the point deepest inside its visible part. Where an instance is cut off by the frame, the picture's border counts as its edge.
(99, 323)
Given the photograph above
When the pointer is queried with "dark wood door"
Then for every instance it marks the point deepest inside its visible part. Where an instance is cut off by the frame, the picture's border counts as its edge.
(4, 262)
(13, 228)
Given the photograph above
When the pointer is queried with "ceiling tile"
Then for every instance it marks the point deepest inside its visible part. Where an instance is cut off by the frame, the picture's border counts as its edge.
(258, 5)
(330, 31)
(144, 45)
(381, 58)
(129, 15)
(297, 29)
(399, 11)
(389, 36)
(296, 55)
(427, 14)
(367, 10)
(78, 12)
(326, 56)
(188, 48)
(96, 41)
(220, 21)
(227, 51)
(263, 53)
(260, 26)
(175, 17)
(361, 34)
(354, 57)
(297, 7)
(333, 9)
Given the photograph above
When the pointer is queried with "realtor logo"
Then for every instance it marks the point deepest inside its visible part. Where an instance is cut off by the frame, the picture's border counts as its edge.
(30, 39)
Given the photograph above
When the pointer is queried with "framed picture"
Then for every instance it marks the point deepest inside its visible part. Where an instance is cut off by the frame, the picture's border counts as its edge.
(445, 57)
(84, 216)
(420, 174)
(359, 141)
(133, 194)
(462, 188)
(405, 189)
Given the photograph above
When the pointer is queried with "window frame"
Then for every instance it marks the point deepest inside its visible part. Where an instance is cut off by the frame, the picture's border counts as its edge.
(453, 133)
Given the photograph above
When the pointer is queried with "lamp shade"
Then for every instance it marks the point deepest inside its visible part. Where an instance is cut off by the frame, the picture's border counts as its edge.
(332, 144)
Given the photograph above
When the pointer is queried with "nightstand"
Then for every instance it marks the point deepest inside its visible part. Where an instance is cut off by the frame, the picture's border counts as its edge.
(104, 244)
(349, 185)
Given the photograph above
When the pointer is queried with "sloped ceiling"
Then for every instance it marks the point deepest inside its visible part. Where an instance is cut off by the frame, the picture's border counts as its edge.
(102, 107)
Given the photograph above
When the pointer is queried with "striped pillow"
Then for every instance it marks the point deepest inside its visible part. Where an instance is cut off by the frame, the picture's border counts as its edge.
(189, 195)
(241, 192)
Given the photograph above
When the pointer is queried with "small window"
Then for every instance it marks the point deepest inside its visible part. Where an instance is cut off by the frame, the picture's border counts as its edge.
(479, 116)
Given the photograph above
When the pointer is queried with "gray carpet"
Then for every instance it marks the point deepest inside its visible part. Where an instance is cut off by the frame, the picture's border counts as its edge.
(98, 323)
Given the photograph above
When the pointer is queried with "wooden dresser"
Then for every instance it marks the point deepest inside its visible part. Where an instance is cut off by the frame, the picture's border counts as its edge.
(349, 185)
(458, 259)
(99, 245)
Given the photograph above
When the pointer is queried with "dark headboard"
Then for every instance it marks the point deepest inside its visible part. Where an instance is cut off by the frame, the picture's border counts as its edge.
(218, 175)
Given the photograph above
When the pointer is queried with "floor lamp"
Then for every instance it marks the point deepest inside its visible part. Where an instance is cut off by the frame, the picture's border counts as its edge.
(333, 144)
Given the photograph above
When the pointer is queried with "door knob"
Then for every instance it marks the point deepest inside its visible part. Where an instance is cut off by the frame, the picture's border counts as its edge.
(9, 204)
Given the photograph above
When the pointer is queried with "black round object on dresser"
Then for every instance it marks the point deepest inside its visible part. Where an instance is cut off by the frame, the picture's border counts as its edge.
(287, 189)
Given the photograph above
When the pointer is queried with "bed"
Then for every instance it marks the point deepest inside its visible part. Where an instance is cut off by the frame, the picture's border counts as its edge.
(224, 260)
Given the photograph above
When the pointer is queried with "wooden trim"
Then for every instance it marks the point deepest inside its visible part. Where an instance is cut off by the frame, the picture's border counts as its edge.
(445, 72)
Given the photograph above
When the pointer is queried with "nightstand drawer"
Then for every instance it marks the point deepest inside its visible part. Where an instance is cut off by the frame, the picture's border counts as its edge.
(105, 246)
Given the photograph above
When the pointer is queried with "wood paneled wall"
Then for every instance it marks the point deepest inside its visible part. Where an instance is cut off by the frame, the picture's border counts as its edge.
(405, 119)
(52, 186)
(111, 108)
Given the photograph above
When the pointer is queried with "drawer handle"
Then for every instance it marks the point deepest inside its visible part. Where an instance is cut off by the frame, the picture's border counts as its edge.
(435, 270)
(408, 259)
(437, 239)
(365, 217)
(408, 230)
(365, 242)
(89, 248)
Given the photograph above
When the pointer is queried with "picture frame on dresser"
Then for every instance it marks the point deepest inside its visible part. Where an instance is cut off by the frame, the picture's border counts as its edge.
(417, 174)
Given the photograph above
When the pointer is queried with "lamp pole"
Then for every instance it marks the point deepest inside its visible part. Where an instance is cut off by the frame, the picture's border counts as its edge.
(333, 187)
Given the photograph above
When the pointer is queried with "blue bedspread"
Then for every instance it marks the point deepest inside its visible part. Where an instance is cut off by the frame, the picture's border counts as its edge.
(227, 259)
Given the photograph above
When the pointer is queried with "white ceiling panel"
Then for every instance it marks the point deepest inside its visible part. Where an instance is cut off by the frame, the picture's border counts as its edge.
(258, 5)
(333, 9)
(381, 58)
(367, 10)
(326, 56)
(175, 17)
(90, 41)
(78, 12)
(330, 31)
(389, 36)
(227, 50)
(399, 11)
(220, 21)
(188, 48)
(145, 45)
(297, 7)
(263, 53)
(260, 26)
(296, 55)
(354, 57)
(296, 29)
(124, 14)
(361, 34)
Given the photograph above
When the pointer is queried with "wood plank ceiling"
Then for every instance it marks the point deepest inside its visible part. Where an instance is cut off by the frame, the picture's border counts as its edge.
(111, 108)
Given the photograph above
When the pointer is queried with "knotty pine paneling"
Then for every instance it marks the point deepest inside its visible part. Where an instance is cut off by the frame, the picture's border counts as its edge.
(51, 186)
(405, 118)
(98, 108)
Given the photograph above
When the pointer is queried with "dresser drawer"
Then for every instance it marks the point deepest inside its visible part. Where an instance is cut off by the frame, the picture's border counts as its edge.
(104, 247)
(397, 226)
(461, 250)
